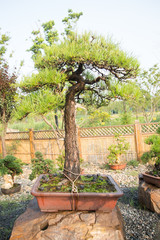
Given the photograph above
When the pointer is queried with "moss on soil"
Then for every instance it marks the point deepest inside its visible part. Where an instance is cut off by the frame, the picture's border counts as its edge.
(87, 183)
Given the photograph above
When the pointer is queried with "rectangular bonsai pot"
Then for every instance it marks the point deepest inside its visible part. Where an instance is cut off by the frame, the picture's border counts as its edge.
(58, 201)
(151, 179)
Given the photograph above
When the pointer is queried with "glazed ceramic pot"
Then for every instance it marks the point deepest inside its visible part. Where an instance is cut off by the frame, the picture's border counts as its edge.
(16, 188)
(55, 201)
(151, 179)
(117, 166)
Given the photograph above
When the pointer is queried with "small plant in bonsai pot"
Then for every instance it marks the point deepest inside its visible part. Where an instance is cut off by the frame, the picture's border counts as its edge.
(39, 165)
(115, 151)
(10, 165)
(153, 156)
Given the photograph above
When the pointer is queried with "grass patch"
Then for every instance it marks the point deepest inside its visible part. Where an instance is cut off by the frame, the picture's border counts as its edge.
(133, 163)
(9, 212)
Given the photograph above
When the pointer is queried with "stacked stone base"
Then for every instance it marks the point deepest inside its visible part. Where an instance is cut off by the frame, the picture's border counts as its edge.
(149, 196)
(68, 225)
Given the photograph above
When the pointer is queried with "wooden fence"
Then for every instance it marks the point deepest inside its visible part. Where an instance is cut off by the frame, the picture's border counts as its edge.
(93, 142)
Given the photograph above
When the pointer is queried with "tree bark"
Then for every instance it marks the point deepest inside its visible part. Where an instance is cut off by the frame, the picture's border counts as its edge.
(72, 163)
(56, 119)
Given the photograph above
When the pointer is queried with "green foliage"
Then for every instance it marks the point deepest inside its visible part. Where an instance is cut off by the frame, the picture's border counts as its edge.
(60, 161)
(39, 103)
(4, 38)
(150, 82)
(9, 211)
(117, 149)
(98, 118)
(39, 165)
(57, 62)
(126, 118)
(154, 153)
(133, 163)
(70, 22)
(11, 165)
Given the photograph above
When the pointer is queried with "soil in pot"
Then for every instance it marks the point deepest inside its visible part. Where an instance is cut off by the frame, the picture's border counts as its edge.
(85, 183)
(16, 188)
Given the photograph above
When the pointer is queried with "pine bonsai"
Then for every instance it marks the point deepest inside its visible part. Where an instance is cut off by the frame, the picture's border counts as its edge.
(11, 165)
(64, 65)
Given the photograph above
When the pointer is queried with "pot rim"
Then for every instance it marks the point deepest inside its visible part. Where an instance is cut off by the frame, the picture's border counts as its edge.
(151, 176)
(35, 192)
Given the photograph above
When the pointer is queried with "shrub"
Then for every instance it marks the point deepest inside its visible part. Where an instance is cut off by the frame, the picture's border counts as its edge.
(39, 165)
(11, 165)
(154, 153)
(133, 163)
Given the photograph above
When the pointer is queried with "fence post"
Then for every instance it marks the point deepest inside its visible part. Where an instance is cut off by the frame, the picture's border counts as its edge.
(31, 140)
(138, 139)
(79, 142)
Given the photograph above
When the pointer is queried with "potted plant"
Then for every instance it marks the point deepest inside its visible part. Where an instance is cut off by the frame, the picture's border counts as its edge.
(10, 166)
(72, 65)
(115, 151)
(153, 156)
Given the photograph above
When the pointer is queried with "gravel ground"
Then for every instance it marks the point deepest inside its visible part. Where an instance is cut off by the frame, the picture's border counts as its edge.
(140, 224)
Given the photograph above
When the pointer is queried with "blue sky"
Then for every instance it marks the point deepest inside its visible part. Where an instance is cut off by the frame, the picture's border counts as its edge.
(135, 24)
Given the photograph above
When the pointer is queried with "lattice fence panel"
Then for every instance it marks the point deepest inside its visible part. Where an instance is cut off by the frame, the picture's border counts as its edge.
(150, 128)
(17, 135)
(47, 134)
(106, 131)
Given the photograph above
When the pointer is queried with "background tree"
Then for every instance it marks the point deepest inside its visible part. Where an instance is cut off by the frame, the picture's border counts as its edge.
(143, 94)
(130, 95)
(7, 91)
(68, 60)
(150, 87)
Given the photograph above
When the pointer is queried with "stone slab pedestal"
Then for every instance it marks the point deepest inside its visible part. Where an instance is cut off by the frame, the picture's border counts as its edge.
(68, 225)
(149, 195)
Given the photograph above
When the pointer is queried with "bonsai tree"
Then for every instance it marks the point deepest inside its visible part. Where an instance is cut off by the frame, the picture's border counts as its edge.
(40, 166)
(65, 64)
(10, 165)
(117, 149)
(154, 153)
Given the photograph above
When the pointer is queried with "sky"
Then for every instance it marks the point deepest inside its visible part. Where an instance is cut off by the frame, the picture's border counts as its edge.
(134, 24)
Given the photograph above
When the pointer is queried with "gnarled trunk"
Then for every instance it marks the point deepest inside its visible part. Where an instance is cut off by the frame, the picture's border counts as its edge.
(72, 164)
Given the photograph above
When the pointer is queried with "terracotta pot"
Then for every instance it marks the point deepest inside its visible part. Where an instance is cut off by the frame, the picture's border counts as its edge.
(16, 188)
(151, 179)
(117, 166)
(53, 201)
